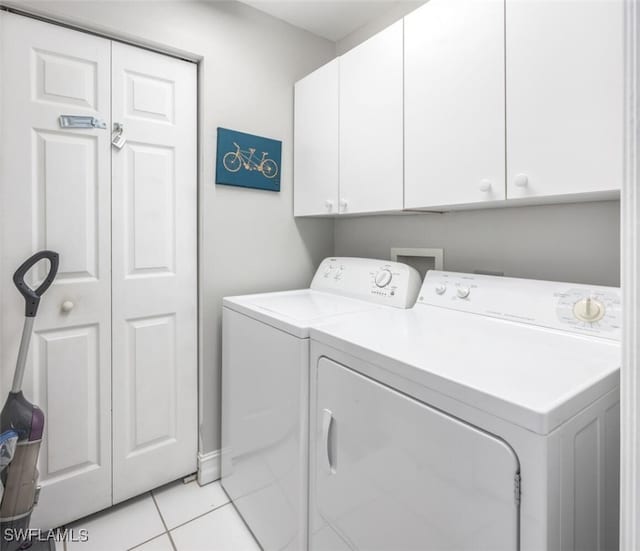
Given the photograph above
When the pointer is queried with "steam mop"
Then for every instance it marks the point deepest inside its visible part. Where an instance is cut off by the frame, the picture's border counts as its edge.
(21, 428)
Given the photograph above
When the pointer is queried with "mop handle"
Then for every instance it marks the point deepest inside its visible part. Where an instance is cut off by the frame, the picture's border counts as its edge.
(32, 301)
(32, 296)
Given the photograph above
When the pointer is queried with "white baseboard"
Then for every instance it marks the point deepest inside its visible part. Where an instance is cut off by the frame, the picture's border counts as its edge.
(208, 467)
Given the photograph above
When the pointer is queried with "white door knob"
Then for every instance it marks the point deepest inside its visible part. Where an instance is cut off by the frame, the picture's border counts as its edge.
(521, 180)
(329, 205)
(485, 185)
(67, 306)
(344, 204)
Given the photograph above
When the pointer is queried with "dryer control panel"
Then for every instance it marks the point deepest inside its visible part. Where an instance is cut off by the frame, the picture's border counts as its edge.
(379, 281)
(585, 309)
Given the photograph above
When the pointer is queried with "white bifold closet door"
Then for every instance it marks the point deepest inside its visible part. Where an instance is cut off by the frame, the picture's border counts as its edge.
(154, 271)
(56, 194)
(115, 375)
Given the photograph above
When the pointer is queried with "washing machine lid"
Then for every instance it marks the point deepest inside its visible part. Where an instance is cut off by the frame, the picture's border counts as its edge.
(296, 311)
(531, 376)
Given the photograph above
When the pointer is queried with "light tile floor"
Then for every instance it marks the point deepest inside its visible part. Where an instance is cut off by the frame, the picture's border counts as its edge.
(176, 517)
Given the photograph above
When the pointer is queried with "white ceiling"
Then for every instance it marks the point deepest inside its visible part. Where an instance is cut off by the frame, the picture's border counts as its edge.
(331, 19)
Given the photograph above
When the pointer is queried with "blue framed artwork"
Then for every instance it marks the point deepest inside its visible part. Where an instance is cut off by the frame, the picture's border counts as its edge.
(249, 161)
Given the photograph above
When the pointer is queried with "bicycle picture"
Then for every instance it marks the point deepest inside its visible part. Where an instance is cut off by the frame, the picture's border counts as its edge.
(233, 161)
(247, 160)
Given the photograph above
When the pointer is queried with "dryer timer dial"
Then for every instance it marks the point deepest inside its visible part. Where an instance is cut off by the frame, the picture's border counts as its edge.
(589, 309)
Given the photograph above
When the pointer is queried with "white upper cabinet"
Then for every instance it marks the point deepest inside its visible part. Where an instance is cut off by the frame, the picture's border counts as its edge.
(564, 64)
(316, 142)
(454, 103)
(467, 103)
(371, 148)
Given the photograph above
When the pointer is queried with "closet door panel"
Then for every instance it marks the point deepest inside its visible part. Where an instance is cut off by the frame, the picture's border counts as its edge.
(55, 194)
(154, 271)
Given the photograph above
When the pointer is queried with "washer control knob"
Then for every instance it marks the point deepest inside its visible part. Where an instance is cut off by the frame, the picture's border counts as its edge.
(588, 309)
(441, 289)
(463, 292)
(383, 277)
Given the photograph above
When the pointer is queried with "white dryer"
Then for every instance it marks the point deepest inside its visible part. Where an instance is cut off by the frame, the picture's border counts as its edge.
(484, 418)
(265, 387)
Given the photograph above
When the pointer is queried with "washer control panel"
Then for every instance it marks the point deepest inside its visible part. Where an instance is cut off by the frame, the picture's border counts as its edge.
(391, 283)
(585, 309)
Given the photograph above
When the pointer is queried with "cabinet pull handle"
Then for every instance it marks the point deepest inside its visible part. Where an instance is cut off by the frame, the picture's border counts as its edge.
(521, 180)
(327, 434)
(329, 205)
(344, 204)
(485, 185)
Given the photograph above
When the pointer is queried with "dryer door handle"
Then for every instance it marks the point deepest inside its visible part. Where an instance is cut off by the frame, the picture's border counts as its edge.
(328, 439)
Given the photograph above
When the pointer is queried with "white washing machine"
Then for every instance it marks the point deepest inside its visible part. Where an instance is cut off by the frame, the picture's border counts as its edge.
(484, 418)
(265, 387)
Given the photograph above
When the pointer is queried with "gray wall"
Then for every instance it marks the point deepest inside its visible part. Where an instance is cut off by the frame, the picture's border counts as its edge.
(249, 62)
(573, 242)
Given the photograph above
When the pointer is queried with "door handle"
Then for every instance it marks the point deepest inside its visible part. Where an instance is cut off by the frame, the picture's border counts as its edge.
(327, 439)
(80, 121)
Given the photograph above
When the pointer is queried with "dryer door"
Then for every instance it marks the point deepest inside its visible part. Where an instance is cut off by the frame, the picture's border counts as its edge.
(393, 473)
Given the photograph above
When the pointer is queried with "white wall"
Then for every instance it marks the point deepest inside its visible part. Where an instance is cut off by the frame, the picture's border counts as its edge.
(249, 62)
(573, 242)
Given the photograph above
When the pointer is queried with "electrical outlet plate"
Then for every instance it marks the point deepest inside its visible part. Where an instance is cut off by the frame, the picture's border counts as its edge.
(421, 259)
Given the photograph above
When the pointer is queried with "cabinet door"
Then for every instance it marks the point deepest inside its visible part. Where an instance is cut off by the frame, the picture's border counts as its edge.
(564, 97)
(55, 193)
(154, 271)
(454, 103)
(371, 124)
(316, 142)
(393, 473)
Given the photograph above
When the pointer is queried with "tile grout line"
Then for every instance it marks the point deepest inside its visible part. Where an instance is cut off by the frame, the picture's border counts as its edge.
(137, 545)
(168, 532)
(201, 515)
(246, 525)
